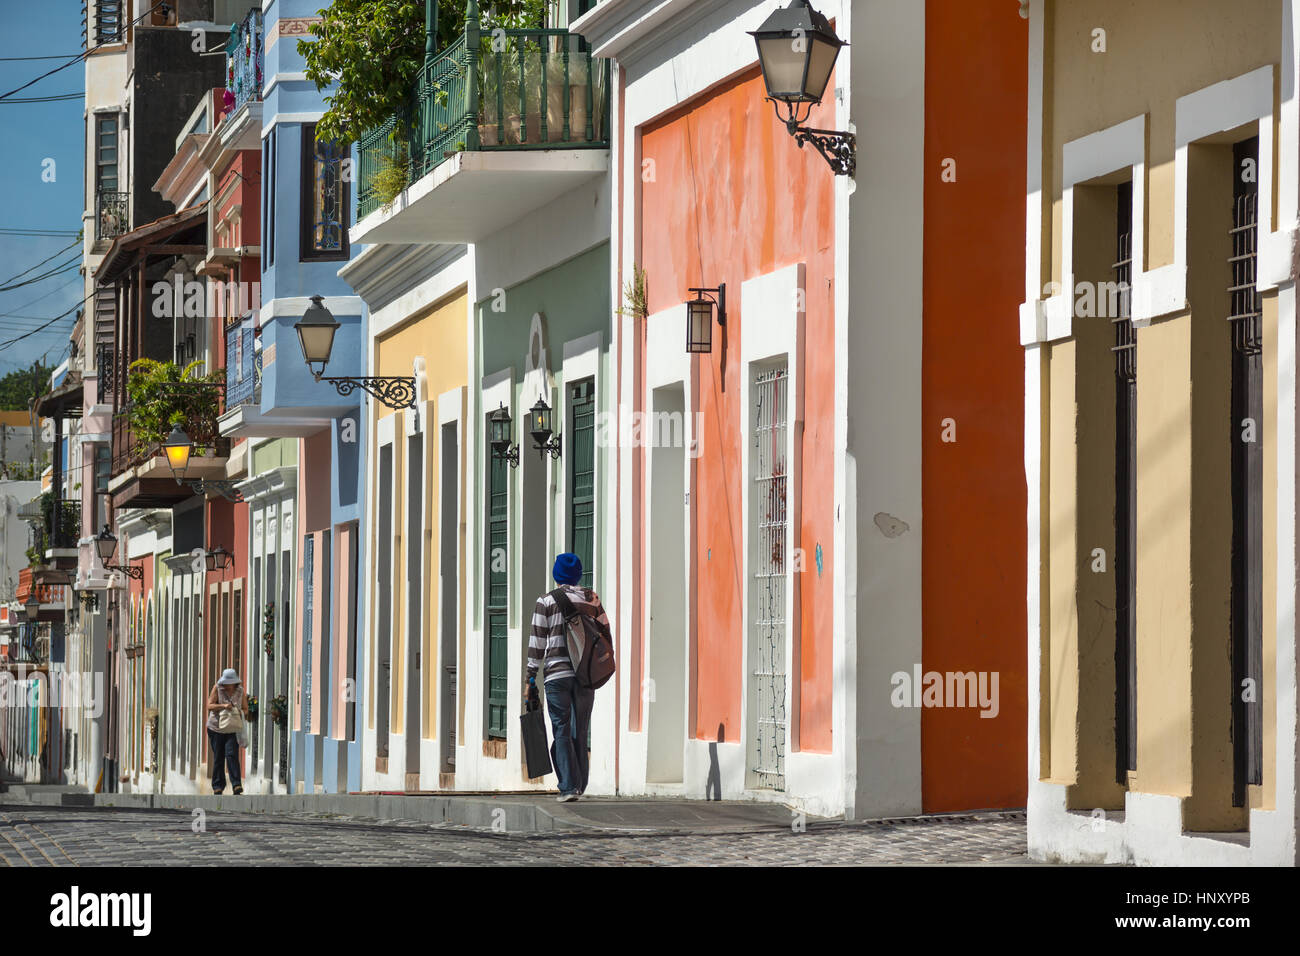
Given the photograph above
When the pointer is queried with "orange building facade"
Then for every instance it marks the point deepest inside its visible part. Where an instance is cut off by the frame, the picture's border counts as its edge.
(819, 560)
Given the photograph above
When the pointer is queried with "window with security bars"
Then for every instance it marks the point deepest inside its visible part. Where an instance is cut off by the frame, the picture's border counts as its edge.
(497, 592)
(582, 475)
(1125, 351)
(768, 532)
(1245, 432)
(325, 198)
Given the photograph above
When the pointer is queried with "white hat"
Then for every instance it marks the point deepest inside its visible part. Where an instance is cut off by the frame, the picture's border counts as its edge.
(229, 676)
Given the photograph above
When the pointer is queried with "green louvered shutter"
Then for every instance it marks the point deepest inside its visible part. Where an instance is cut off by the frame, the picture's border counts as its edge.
(582, 475)
(498, 591)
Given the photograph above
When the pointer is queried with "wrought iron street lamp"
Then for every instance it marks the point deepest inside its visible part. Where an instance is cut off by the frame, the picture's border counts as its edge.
(105, 545)
(699, 317)
(316, 331)
(33, 605)
(178, 447)
(219, 559)
(500, 437)
(797, 50)
(539, 420)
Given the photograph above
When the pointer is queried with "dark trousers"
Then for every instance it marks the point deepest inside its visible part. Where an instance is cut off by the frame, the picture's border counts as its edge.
(225, 756)
(570, 709)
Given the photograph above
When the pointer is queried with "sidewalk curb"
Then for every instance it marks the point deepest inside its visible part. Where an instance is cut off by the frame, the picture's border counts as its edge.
(509, 813)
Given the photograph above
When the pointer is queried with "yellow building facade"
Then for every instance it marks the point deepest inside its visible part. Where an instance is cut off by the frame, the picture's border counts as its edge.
(413, 554)
(1159, 333)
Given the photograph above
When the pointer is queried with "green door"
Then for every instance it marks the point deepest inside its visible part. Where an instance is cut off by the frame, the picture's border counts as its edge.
(582, 474)
(498, 591)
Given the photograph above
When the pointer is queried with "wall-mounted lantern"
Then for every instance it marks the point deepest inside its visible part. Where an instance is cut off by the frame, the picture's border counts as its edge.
(316, 331)
(797, 50)
(500, 437)
(178, 447)
(219, 559)
(33, 605)
(105, 545)
(699, 317)
(539, 420)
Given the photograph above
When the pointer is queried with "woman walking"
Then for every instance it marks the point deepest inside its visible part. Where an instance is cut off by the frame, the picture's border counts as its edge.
(227, 710)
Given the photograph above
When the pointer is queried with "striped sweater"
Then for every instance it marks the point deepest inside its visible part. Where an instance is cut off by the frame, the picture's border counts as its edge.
(547, 645)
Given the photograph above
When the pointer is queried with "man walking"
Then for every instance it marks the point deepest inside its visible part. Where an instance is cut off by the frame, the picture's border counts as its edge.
(568, 703)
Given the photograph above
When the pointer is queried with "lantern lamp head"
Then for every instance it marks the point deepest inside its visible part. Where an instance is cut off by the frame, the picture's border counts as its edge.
(797, 50)
(699, 317)
(105, 545)
(177, 448)
(539, 420)
(219, 559)
(33, 605)
(316, 331)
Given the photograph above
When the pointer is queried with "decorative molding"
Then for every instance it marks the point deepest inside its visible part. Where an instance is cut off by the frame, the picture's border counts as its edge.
(289, 27)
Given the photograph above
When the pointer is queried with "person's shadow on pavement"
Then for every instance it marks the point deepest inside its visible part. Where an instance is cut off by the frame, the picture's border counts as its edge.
(713, 784)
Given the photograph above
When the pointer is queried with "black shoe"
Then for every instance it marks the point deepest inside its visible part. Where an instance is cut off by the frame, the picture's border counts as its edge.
(239, 791)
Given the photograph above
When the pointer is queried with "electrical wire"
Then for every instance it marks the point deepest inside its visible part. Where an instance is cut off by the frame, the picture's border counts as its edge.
(42, 262)
(42, 99)
(79, 57)
(62, 267)
(49, 323)
(42, 233)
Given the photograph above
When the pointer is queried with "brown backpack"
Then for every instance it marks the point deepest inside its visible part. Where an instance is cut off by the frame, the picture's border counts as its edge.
(591, 646)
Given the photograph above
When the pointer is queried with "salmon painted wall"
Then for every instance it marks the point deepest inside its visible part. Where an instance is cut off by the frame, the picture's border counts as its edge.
(973, 489)
(733, 198)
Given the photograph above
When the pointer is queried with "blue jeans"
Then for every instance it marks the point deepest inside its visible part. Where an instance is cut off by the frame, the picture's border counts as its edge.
(570, 709)
(225, 755)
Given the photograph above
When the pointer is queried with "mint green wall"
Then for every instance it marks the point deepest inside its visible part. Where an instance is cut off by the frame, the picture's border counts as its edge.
(573, 299)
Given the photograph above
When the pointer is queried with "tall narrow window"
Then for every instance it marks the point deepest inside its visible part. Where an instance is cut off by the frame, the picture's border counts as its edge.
(498, 591)
(1245, 432)
(768, 532)
(384, 602)
(324, 199)
(268, 201)
(1125, 350)
(582, 475)
(111, 206)
(106, 153)
(308, 607)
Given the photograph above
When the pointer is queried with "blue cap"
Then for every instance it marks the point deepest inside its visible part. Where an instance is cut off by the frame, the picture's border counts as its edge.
(567, 569)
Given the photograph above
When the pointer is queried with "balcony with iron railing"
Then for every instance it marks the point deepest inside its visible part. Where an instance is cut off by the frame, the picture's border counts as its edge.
(244, 60)
(243, 366)
(498, 124)
(112, 213)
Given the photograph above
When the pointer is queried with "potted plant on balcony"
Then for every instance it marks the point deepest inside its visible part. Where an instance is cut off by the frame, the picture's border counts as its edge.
(157, 404)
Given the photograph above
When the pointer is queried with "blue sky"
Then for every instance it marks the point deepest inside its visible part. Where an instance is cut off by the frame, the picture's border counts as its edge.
(32, 133)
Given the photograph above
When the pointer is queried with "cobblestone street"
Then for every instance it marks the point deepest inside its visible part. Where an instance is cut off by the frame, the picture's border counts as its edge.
(85, 836)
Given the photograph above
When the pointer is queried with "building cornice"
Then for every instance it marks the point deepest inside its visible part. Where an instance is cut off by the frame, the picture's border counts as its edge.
(386, 271)
(618, 28)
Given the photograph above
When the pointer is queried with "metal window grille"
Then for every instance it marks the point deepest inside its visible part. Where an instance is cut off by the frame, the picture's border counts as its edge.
(1245, 435)
(108, 21)
(768, 526)
(1125, 350)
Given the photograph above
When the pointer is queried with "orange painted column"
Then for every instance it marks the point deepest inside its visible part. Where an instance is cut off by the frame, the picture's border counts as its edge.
(973, 489)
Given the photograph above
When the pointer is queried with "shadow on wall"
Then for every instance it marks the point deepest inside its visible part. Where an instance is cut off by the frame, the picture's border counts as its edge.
(713, 785)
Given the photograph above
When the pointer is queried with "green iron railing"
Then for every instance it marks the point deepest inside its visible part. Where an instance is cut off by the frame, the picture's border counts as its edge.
(490, 90)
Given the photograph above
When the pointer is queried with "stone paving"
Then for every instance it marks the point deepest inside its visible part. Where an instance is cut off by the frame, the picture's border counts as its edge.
(103, 836)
